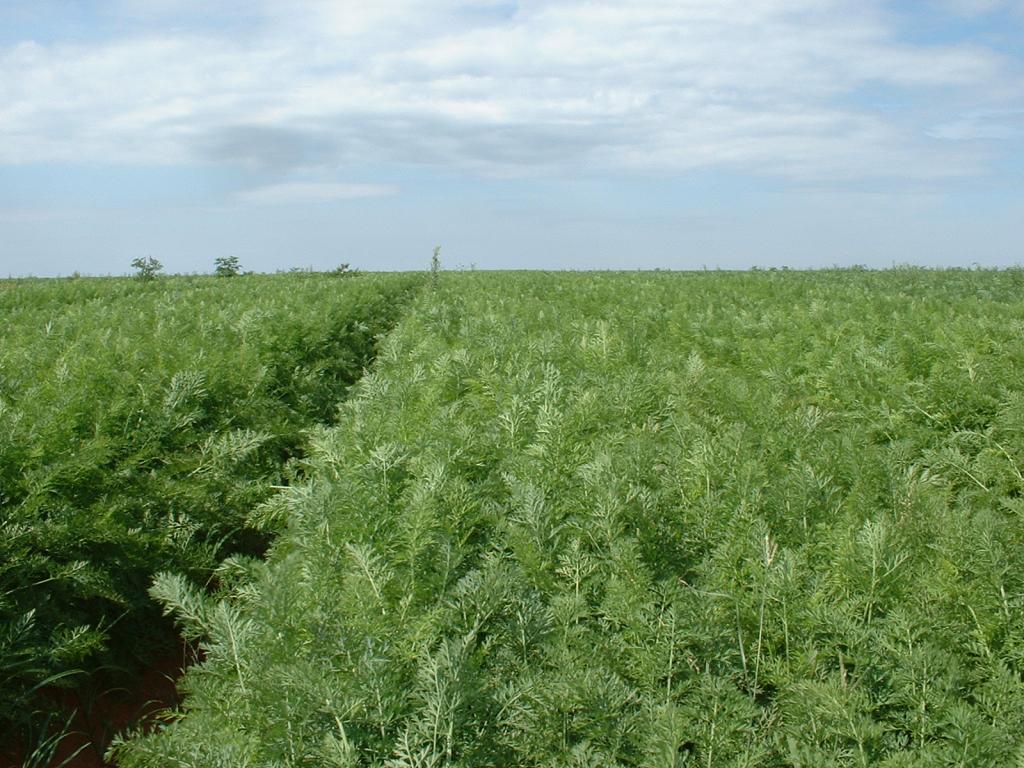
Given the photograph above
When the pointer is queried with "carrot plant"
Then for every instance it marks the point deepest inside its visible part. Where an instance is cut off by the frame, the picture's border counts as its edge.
(763, 519)
(141, 423)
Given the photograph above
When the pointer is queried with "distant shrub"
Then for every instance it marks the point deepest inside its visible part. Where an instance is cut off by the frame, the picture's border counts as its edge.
(227, 266)
(147, 268)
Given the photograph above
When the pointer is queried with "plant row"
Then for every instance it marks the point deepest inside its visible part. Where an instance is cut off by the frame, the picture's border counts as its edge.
(141, 423)
(765, 519)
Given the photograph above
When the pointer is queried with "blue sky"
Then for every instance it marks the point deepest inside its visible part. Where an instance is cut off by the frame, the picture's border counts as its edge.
(539, 134)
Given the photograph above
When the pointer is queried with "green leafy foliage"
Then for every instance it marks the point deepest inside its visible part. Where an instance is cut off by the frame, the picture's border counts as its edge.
(763, 519)
(147, 268)
(227, 266)
(140, 427)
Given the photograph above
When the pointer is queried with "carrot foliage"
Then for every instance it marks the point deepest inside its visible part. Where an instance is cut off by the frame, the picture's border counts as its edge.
(141, 422)
(762, 519)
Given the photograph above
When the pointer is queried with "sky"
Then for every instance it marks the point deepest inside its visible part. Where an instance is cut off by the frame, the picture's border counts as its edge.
(561, 134)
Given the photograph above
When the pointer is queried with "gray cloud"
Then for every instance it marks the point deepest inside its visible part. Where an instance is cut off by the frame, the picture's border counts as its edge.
(267, 148)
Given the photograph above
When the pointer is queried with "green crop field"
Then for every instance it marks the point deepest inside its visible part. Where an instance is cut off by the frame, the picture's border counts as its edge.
(142, 424)
(605, 519)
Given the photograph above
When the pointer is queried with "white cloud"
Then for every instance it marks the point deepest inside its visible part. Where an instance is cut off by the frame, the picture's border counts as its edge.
(312, 192)
(638, 86)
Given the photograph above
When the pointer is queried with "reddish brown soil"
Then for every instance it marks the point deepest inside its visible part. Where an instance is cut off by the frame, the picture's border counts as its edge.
(101, 710)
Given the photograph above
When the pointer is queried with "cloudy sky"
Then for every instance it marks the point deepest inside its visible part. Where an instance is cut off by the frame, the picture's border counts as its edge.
(541, 133)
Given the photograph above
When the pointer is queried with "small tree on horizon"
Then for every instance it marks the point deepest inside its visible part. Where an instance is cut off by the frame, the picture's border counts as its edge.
(227, 266)
(147, 268)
